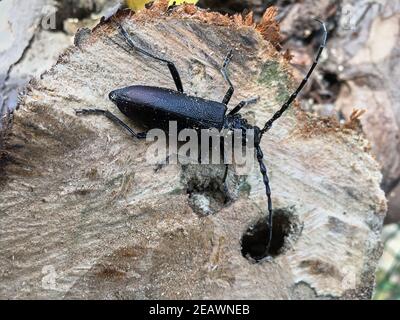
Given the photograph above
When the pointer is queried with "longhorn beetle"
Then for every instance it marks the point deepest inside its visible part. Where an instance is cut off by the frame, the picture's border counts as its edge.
(155, 105)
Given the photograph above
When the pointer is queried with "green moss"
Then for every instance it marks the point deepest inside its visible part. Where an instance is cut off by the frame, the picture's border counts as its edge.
(272, 76)
(114, 181)
(176, 191)
(245, 188)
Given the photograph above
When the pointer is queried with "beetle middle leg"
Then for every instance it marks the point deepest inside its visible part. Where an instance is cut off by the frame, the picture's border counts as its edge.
(227, 195)
(171, 66)
(241, 105)
(225, 189)
(113, 118)
(224, 72)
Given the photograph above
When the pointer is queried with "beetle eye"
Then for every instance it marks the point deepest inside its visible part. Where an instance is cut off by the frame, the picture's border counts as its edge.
(113, 96)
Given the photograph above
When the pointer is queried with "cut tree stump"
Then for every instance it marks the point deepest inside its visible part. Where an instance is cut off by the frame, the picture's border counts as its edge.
(82, 215)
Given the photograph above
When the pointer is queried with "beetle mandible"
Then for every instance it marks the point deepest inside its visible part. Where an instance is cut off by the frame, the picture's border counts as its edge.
(148, 103)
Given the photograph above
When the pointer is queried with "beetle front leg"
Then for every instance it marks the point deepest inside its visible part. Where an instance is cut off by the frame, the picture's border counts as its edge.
(227, 194)
(113, 118)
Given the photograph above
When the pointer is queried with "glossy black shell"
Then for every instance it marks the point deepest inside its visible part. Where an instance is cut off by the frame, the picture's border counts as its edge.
(155, 107)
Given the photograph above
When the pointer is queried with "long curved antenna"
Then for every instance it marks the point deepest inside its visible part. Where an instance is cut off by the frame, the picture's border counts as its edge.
(264, 172)
(287, 104)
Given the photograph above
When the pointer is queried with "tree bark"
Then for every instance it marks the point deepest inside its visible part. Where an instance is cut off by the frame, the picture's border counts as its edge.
(24, 46)
(370, 64)
(82, 215)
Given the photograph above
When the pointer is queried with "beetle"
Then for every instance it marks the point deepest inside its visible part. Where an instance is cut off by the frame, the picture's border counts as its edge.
(155, 106)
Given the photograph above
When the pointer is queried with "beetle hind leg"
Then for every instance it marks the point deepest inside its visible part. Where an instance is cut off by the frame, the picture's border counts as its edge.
(171, 66)
(113, 118)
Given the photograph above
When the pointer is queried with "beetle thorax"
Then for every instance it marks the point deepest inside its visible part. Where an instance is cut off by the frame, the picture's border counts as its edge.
(237, 122)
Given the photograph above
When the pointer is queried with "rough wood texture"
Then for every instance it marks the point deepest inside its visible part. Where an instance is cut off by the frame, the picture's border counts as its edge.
(363, 55)
(83, 216)
(28, 45)
(26, 49)
(15, 37)
(236, 6)
(369, 64)
(369, 56)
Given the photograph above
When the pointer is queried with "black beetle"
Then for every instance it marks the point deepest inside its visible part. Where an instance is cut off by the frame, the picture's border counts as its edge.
(156, 106)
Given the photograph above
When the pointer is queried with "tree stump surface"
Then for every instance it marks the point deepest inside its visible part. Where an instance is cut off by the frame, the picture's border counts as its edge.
(82, 215)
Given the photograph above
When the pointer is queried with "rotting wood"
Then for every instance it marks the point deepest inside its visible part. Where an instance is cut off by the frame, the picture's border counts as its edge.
(83, 216)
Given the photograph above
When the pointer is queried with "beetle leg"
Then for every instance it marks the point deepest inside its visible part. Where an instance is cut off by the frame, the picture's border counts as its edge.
(263, 169)
(287, 104)
(171, 66)
(225, 189)
(161, 165)
(109, 115)
(241, 105)
(225, 185)
(224, 72)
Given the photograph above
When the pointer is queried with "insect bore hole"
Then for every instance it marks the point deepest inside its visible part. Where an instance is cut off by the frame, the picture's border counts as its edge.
(205, 196)
(255, 239)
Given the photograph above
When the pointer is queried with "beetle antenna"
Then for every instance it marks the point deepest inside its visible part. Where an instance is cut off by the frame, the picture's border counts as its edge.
(264, 172)
(293, 97)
